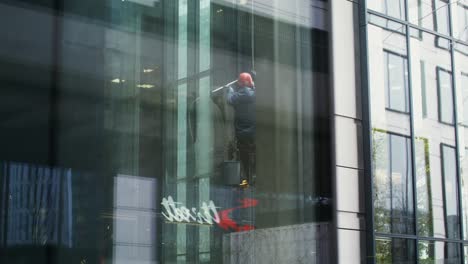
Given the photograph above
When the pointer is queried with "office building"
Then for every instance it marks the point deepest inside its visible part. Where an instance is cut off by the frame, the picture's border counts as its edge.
(125, 135)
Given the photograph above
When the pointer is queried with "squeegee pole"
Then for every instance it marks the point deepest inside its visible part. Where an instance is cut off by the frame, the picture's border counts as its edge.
(224, 86)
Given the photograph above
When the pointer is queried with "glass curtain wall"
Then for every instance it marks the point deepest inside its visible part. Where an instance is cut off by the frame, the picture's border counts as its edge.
(118, 146)
(417, 80)
(393, 189)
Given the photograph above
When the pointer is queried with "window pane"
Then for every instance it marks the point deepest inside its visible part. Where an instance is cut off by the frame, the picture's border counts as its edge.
(430, 133)
(431, 252)
(460, 20)
(449, 166)
(444, 86)
(396, 81)
(395, 250)
(463, 81)
(393, 8)
(393, 193)
(465, 249)
(424, 190)
(441, 10)
(421, 13)
(393, 180)
(430, 14)
(388, 81)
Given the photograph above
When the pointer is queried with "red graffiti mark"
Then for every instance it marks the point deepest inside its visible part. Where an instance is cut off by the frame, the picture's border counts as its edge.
(226, 222)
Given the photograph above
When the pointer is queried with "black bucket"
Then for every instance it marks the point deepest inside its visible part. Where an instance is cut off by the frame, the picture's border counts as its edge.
(231, 172)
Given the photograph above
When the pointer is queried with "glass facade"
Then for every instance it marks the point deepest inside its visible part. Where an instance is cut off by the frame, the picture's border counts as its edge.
(118, 147)
(417, 65)
(126, 136)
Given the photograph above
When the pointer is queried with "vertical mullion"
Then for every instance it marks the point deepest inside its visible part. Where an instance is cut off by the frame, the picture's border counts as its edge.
(413, 147)
(390, 174)
(191, 191)
(367, 133)
(204, 161)
(166, 252)
(388, 101)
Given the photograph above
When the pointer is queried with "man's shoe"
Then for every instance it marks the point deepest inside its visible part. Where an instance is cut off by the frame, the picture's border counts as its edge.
(244, 184)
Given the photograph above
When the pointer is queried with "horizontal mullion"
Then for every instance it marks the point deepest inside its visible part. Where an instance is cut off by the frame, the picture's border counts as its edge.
(414, 237)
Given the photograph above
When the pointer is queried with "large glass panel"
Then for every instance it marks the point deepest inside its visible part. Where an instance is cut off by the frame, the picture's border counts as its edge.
(430, 110)
(433, 252)
(389, 82)
(391, 151)
(395, 250)
(121, 141)
(461, 64)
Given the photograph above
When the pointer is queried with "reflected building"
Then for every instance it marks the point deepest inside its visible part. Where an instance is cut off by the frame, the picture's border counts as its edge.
(414, 132)
(36, 206)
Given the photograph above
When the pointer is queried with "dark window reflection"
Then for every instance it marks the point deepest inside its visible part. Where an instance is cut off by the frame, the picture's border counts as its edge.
(37, 205)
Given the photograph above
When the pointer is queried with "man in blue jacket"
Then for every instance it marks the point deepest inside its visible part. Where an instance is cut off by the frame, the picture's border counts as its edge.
(242, 99)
